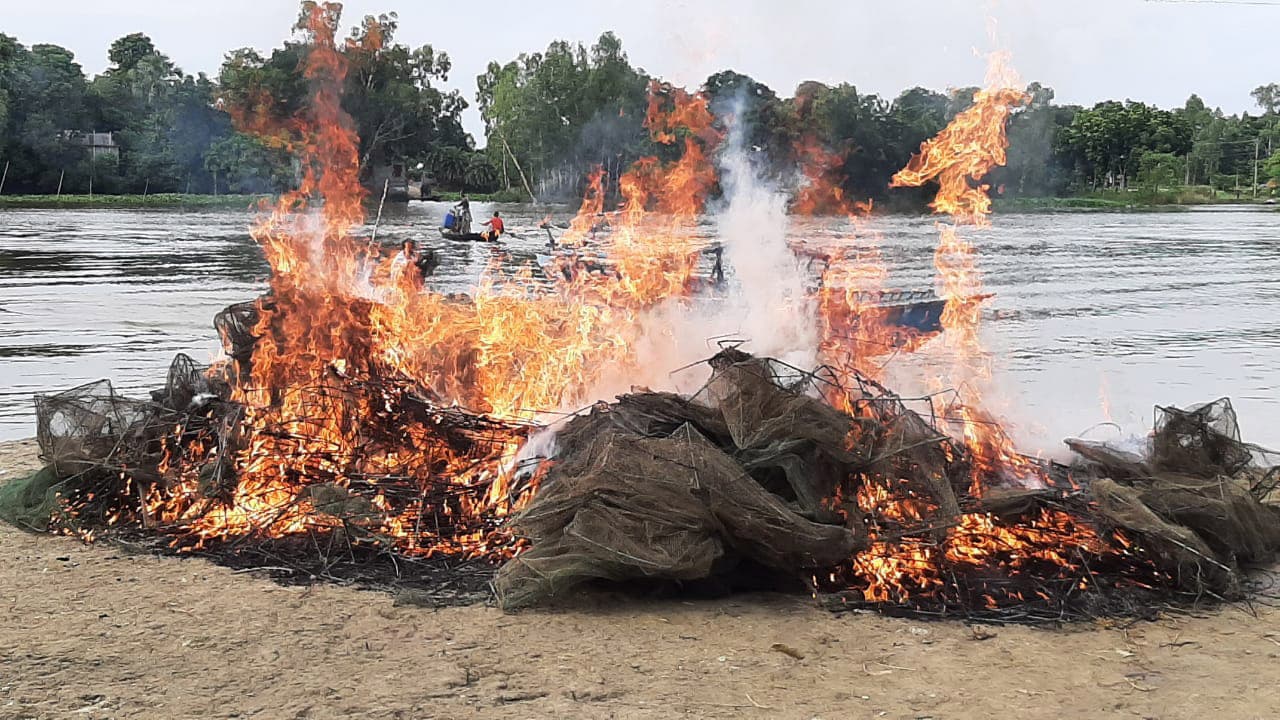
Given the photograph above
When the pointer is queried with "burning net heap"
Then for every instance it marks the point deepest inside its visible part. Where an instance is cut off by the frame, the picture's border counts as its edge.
(360, 425)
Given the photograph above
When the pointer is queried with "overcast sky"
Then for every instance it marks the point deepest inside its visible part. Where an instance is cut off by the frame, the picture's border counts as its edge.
(1087, 50)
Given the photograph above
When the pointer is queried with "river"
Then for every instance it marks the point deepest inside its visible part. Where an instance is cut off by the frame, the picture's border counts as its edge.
(1095, 315)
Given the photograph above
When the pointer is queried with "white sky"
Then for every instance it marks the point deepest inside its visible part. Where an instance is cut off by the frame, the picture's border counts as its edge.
(1087, 50)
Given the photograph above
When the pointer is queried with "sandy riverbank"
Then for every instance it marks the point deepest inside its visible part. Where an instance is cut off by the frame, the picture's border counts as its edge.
(90, 632)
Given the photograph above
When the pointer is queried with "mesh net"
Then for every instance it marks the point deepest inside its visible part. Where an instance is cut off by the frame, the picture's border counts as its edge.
(80, 429)
(758, 467)
(641, 493)
(1203, 441)
(31, 502)
(756, 475)
(1196, 501)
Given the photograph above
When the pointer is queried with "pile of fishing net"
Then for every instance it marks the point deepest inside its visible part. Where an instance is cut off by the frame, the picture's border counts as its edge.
(661, 486)
(369, 506)
(769, 476)
(103, 451)
(1197, 498)
(757, 474)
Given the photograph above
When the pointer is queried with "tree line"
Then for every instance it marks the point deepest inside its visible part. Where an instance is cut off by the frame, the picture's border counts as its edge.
(176, 132)
(561, 111)
(551, 117)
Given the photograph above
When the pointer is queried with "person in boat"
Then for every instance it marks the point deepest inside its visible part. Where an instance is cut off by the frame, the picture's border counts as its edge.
(427, 263)
(717, 269)
(405, 259)
(496, 227)
(421, 265)
(462, 213)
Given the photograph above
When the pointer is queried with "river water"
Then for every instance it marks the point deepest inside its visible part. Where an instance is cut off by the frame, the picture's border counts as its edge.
(1096, 316)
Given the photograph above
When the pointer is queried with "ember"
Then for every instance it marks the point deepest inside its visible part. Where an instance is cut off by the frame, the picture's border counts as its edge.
(361, 427)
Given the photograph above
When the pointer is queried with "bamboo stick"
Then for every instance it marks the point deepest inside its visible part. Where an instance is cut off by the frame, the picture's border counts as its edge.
(386, 184)
(516, 162)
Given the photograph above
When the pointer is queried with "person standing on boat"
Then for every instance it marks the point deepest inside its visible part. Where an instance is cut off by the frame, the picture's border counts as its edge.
(464, 214)
(496, 227)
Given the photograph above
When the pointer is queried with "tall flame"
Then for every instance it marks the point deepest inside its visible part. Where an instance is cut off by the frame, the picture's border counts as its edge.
(853, 277)
(357, 374)
(352, 364)
(959, 159)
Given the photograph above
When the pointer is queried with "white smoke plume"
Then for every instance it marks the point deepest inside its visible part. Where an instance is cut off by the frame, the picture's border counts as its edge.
(764, 304)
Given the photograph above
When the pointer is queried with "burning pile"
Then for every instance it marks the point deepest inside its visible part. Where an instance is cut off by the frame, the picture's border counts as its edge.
(362, 427)
(758, 479)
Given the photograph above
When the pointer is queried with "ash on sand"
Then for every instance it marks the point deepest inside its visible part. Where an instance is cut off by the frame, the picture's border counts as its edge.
(751, 481)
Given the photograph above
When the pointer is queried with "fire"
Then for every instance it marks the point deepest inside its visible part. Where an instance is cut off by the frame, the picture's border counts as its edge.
(378, 411)
(856, 329)
(590, 212)
(958, 159)
(354, 371)
(908, 562)
(328, 406)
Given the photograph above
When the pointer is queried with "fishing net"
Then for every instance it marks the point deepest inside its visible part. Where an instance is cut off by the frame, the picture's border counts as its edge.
(235, 326)
(641, 493)
(1196, 500)
(760, 467)
(768, 476)
(102, 449)
(1202, 441)
(80, 428)
(31, 502)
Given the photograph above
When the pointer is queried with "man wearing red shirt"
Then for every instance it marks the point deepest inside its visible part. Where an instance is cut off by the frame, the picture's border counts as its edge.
(496, 227)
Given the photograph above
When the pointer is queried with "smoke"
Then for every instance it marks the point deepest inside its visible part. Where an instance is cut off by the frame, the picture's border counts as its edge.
(608, 139)
(763, 303)
(769, 306)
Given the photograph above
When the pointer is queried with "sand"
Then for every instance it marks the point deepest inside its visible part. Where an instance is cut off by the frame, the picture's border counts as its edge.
(90, 632)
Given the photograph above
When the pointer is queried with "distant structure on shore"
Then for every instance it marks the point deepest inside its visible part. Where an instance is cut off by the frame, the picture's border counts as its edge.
(101, 145)
(391, 176)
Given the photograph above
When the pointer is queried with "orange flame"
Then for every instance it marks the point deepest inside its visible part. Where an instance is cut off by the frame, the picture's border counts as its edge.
(355, 371)
(854, 322)
(347, 351)
(959, 159)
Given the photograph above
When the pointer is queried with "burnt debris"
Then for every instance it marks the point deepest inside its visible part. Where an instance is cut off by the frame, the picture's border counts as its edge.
(769, 476)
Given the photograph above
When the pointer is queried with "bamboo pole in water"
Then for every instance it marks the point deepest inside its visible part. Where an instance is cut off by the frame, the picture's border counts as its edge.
(385, 185)
(5, 176)
(516, 162)
(61, 175)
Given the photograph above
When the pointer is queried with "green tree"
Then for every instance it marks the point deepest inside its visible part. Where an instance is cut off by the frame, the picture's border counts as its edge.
(859, 128)
(240, 163)
(391, 92)
(1160, 171)
(769, 125)
(45, 109)
(1107, 142)
(1272, 167)
(128, 51)
(1035, 167)
(164, 119)
(1267, 97)
(561, 111)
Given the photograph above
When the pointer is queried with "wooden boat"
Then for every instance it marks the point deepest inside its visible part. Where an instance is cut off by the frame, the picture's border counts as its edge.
(464, 237)
(919, 311)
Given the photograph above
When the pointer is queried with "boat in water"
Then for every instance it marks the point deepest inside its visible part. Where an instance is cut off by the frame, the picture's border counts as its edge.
(455, 236)
(919, 312)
